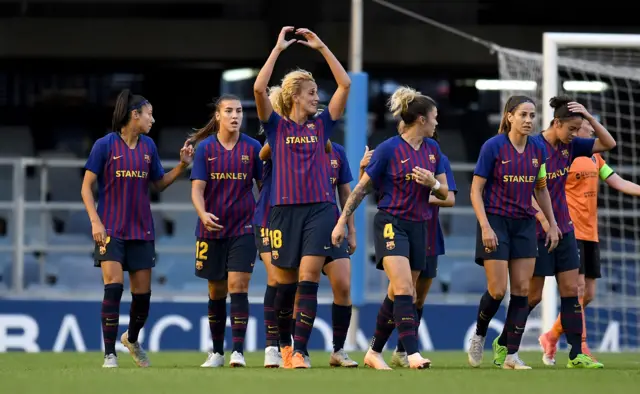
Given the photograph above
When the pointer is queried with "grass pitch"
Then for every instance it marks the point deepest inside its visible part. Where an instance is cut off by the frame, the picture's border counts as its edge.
(81, 373)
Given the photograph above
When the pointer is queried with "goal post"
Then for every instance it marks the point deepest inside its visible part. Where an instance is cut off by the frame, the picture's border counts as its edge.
(601, 71)
(552, 43)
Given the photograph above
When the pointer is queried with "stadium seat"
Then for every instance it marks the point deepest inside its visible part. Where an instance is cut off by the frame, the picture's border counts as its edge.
(467, 278)
(21, 141)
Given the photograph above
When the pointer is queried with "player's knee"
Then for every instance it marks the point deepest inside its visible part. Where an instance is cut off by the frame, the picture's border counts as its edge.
(402, 287)
(308, 276)
(497, 290)
(342, 293)
(568, 289)
(534, 300)
(217, 290)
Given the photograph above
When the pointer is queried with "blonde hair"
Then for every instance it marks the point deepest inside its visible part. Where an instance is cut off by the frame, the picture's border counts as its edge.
(408, 104)
(281, 96)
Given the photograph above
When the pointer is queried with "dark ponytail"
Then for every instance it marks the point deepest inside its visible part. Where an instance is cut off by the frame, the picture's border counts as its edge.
(212, 126)
(509, 108)
(125, 103)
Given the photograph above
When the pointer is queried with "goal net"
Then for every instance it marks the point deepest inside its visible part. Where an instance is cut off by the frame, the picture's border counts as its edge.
(607, 82)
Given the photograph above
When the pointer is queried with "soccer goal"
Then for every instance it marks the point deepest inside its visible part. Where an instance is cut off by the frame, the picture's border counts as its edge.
(602, 71)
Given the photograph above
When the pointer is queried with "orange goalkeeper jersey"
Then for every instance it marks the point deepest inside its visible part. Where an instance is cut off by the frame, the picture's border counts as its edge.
(582, 194)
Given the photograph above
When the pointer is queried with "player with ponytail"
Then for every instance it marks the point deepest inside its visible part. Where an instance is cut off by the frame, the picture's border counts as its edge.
(124, 163)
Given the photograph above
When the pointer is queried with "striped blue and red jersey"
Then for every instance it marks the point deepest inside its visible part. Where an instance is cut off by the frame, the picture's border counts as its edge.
(391, 171)
(435, 237)
(229, 175)
(511, 176)
(124, 175)
(558, 163)
(339, 172)
(263, 206)
(300, 163)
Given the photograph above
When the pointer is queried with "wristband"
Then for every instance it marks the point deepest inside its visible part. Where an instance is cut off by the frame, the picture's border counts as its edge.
(436, 186)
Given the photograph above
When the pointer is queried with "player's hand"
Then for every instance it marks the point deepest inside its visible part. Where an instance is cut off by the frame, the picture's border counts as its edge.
(578, 108)
(99, 233)
(186, 153)
(553, 237)
(283, 43)
(424, 177)
(312, 40)
(364, 162)
(351, 241)
(337, 235)
(210, 222)
(489, 239)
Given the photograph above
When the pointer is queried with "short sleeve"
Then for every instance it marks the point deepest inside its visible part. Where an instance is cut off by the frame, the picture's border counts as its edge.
(271, 125)
(327, 125)
(379, 162)
(199, 170)
(486, 160)
(156, 172)
(258, 165)
(98, 157)
(582, 147)
(344, 176)
(451, 182)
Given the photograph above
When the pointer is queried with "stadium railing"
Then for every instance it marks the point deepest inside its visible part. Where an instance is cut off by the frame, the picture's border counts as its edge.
(19, 205)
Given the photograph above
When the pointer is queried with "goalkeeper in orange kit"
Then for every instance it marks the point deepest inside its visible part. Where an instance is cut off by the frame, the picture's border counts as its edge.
(582, 198)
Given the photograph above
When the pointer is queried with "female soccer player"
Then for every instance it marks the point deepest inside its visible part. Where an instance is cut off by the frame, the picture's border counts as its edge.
(510, 169)
(124, 163)
(563, 263)
(435, 248)
(338, 265)
(272, 356)
(582, 199)
(225, 165)
(302, 213)
(402, 169)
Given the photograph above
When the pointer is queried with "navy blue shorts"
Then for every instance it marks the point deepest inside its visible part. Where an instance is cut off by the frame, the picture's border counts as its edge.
(216, 257)
(337, 253)
(300, 230)
(563, 258)
(589, 259)
(133, 254)
(431, 270)
(517, 239)
(263, 244)
(397, 237)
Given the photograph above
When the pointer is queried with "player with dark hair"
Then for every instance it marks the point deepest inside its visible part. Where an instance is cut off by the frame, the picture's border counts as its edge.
(225, 166)
(302, 213)
(124, 163)
(435, 248)
(405, 170)
(272, 355)
(561, 148)
(510, 169)
(582, 199)
(338, 265)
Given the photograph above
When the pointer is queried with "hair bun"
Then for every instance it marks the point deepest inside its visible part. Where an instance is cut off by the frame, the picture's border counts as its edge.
(559, 101)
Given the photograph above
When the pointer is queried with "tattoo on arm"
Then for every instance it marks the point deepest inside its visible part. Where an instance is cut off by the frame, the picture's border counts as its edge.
(356, 197)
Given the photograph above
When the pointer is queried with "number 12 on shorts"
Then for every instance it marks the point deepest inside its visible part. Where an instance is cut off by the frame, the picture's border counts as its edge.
(202, 247)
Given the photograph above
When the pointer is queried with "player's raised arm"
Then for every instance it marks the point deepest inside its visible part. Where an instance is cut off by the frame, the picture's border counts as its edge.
(604, 140)
(339, 100)
(263, 105)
